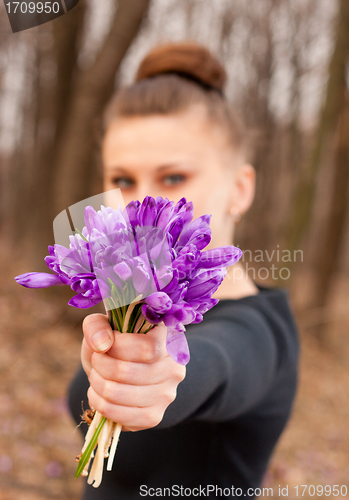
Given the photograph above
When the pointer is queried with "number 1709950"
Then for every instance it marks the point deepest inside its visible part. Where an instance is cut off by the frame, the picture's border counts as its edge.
(32, 7)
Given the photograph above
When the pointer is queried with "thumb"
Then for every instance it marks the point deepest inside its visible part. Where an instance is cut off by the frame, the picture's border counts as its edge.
(98, 332)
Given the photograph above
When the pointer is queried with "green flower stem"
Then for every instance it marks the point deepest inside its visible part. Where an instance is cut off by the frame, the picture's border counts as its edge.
(82, 236)
(85, 457)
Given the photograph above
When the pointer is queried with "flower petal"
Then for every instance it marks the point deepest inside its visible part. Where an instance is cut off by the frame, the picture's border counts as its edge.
(92, 220)
(201, 224)
(150, 315)
(202, 304)
(131, 213)
(147, 212)
(123, 271)
(204, 285)
(39, 280)
(179, 205)
(179, 313)
(178, 294)
(201, 240)
(164, 215)
(219, 257)
(142, 278)
(160, 302)
(177, 346)
(83, 302)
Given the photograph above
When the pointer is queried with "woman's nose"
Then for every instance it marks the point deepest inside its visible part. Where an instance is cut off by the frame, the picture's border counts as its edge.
(146, 189)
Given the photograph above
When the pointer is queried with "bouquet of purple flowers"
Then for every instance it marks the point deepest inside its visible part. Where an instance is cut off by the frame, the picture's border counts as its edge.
(147, 264)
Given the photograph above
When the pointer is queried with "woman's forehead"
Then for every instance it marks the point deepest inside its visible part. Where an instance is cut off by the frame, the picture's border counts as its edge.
(164, 138)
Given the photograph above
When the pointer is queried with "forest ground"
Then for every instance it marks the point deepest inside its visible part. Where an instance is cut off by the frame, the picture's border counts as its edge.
(40, 340)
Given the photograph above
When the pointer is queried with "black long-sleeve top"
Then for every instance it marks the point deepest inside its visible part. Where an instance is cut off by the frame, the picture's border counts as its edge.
(229, 411)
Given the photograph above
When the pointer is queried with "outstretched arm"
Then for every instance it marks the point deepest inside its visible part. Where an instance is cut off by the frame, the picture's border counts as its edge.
(135, 381)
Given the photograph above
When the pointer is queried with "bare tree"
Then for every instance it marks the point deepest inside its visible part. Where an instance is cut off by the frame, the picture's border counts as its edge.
(60, 168)
(328, 124)
(91, 92)
(332, 236)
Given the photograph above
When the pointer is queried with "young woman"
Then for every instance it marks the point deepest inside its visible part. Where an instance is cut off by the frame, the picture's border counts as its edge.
(212, 425)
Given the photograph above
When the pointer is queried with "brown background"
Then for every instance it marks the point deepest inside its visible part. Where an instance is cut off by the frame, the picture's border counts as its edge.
(288, 76)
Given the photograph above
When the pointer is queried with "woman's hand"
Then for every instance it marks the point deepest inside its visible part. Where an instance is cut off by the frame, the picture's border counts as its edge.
(132, 378)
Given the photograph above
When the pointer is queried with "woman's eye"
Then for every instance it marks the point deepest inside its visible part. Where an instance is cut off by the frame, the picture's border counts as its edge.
(123, 182)
(171, 180)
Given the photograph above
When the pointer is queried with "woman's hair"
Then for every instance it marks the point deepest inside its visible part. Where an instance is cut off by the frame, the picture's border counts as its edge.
(170, 79)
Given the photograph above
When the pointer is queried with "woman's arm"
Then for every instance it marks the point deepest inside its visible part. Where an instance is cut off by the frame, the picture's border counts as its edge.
(233, 362)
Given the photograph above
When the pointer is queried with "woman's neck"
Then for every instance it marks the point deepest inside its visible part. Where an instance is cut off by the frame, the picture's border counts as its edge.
(236, 284)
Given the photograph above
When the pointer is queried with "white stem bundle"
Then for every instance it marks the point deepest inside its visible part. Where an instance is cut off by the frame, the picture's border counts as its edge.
(107, 440)
(116, 433)
(96, 472)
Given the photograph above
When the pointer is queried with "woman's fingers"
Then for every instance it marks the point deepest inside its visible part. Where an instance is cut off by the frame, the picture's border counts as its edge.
(130, 417)
(140, 348)
(134, 347)
(98, 337)
(86, 357)
(129, 372)
(132, 395)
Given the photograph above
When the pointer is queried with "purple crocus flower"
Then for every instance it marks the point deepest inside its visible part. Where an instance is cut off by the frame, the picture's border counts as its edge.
(39, 280)
(152, 251)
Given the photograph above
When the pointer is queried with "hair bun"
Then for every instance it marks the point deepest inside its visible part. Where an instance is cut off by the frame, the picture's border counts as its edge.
(186, 59)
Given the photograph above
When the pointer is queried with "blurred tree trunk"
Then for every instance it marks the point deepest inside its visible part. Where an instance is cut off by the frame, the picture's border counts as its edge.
(55, 69)
(329, 247)
(92, 90)
(68, 102)
(259, 118)
(331, 145)
(335, 97)
(55, 50)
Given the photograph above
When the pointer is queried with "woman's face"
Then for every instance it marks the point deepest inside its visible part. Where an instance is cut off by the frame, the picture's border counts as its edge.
(174, 156)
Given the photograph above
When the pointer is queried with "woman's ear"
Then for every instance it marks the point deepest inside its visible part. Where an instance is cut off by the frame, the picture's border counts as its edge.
(243, 188)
